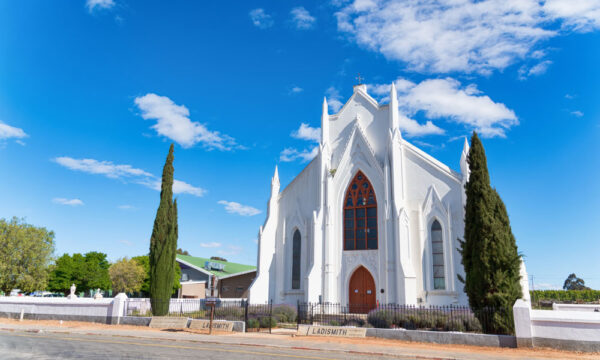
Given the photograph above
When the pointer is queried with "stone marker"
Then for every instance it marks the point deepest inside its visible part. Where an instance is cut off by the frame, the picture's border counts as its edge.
(331, 331)
(219, 325)
(168, 322)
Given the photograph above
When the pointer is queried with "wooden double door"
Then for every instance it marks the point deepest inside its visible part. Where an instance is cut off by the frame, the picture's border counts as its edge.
(362, 296)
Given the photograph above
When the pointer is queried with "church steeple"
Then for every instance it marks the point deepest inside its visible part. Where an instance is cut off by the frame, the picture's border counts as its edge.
(464, 166)
(393, 109)
(275, 182)
(324, 123)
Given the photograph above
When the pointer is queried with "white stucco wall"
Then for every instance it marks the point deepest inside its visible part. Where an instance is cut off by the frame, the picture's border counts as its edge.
(80, 307)
(569, 329)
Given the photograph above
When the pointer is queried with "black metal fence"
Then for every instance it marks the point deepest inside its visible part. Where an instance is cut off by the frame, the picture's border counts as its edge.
(256, 316)
(439, 318)
(267, 316)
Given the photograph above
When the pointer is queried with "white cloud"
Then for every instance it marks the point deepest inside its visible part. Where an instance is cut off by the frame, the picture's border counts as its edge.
(69, 202)
(296, 90)
(462, 35)
(126, 207)
(99, 4)
(126, 242)
(106, 168)
(237, 208)
(261, 19)
(412, 128)
(577, 15)
(210, 245)
(173, 121)
(577, 113)
(8, 132)
(291, 154)
(179, 187)
(306, 132)
(448, 99)
(569, 96)
(125, 173)
(538, 69)
(302, 19)
(233, 250)
(334, 99)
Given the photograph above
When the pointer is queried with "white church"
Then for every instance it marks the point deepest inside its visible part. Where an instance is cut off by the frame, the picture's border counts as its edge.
(372, 218)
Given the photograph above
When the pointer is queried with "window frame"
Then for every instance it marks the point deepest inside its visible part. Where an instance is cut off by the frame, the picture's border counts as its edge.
(442, 253)
(296, 260)
(350, 215)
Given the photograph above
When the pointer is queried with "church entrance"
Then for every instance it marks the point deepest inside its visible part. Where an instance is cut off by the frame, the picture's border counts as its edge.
(362, 291)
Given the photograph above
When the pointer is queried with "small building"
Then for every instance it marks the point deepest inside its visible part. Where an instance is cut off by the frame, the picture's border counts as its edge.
(233, 280)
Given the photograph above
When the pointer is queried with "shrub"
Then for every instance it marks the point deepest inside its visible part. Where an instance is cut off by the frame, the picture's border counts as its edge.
(454, 325)
(284, 313)
(334, 323)
(253, 323)
(357, 322)
(264, 322)
(381, 318)
(228, 312)
(566, 295)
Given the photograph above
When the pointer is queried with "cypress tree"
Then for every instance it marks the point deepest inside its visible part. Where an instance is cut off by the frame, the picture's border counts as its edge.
(163, 243)
(489, 250)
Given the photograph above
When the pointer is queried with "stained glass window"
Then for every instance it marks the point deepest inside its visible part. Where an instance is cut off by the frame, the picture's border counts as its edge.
(360, 215)
(437, 252)
(296, 247)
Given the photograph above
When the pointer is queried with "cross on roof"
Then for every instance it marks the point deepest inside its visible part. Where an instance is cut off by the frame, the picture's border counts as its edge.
(360, 79)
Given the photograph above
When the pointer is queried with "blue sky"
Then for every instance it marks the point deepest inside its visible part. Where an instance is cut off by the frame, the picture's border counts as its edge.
(93, 92)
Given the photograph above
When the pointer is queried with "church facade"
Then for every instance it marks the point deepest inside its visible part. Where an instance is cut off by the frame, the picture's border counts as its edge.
(371, 219)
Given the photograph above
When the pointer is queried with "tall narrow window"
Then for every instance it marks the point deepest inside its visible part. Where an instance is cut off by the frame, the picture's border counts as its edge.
(437, 252)
(360, 215)
(296, 247)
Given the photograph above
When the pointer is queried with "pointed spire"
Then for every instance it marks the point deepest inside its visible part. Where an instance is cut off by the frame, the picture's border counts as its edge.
(324, 123)
(275, 180)
(393, 109)
(464, 166)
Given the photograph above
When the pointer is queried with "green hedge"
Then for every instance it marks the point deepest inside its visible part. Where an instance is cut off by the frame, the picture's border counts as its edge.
(566, 295)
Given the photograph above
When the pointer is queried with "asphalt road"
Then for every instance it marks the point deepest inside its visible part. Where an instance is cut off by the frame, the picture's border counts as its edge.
(26, 345)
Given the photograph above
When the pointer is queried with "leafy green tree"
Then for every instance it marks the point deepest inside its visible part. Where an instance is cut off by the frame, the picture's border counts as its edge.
(96, 271)
(87, 272)
(25, 254)
(574, 283)
(163, 243)
(144, 261)
(180, 251)
(61, 274)
(126, 276)
(489, 250)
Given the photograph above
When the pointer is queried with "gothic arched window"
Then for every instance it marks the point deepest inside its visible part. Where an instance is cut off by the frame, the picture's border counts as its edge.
(437, 253)
(360, 215)
(296, 247)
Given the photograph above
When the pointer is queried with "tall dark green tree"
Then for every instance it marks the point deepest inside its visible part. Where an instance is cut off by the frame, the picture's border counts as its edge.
(489, 250)
(163, 243)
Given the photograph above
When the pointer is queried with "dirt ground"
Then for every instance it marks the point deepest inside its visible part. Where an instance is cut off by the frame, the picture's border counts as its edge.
(359, 342)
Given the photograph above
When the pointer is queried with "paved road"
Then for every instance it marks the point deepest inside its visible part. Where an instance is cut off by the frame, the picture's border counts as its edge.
(45, 345)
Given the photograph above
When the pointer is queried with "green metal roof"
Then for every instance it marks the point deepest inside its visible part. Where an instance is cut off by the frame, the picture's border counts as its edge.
(230, 268)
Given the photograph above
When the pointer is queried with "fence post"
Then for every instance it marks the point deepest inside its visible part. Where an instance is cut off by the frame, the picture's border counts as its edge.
(270, 314)
(297, 314)
(246, 315)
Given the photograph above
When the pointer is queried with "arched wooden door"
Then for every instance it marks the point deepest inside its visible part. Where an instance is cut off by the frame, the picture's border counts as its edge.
(362, 291)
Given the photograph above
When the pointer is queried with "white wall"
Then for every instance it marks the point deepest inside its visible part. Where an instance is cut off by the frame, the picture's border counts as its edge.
(572, 330)
(86, 309)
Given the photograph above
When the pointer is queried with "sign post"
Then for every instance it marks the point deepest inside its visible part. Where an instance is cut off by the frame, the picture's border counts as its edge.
(212, 301)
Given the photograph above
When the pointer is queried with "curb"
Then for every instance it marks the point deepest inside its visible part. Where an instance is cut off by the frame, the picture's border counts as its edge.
(273, 346)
